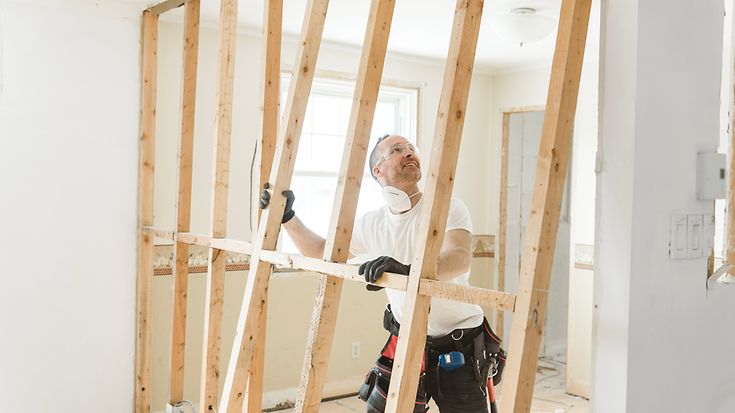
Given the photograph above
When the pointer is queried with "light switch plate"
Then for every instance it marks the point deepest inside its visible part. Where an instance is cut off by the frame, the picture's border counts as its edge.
(695, 236)
(678, 238)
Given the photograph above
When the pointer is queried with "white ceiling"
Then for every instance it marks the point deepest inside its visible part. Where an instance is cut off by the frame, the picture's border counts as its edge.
(420, 28)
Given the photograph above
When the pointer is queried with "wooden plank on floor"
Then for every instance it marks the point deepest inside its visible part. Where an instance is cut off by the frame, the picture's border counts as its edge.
(183, 204)
(208, 397)
(503, 222)
(433, 220)
(540, 237)
(144, 310)
(273, 22)
(270, 226)
(324, 315)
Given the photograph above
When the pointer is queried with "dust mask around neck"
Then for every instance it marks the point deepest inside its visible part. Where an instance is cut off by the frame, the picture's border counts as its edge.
(397, 200)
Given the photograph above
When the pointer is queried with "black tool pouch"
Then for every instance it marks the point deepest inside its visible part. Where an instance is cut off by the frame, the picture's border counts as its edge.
(370, 380)
(375, 389)
(493, 355)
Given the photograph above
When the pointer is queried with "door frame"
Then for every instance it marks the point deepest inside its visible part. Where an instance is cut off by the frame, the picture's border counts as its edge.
(502, 225)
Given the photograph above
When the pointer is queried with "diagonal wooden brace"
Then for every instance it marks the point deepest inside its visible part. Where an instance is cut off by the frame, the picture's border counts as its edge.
(540, 237)
(433, 220)
(267, 236)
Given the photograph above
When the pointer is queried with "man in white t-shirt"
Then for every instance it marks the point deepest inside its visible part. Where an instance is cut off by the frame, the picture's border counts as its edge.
(461, 347)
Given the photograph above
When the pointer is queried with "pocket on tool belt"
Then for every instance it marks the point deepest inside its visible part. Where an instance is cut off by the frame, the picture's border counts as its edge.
(494, 355)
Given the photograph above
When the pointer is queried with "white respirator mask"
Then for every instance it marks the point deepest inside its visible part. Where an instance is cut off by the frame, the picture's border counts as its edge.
(397, 200)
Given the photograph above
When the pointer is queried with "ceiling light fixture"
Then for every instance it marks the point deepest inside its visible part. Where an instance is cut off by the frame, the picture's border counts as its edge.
(522, 25)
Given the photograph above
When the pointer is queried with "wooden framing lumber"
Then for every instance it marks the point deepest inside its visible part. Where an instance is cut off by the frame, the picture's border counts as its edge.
(440, 181)
(165, 6)
(483, 297)
(144, 316)
(216, 276)
(159, 233)
(540, 237)
(183, 205)
(337, 245)
(273, 22)
(503, 220)
(730, 218)
(270, 224)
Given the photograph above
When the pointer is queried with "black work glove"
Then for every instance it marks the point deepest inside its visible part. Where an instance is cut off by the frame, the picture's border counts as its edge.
(288, 211)
(372, 270)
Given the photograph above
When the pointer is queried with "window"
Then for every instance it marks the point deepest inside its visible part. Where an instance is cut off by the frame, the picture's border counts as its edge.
(322, 143)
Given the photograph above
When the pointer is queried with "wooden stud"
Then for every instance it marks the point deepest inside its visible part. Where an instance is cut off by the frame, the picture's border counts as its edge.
(256, 288)
(483, 297)
(165, 6)
(324, 316)
(273, 22)
(730, 218)
(159, 233)
(183, 205)
(503, 223)
(216, 276)
(440, 181)
(149, 36)
(540, 237)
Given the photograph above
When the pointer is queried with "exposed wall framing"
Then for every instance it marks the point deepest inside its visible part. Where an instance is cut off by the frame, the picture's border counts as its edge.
(245, 364)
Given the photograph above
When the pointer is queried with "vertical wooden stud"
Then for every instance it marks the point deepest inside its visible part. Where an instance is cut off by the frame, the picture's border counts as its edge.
(149, 35)
(503, 223)
(218, 227)
(439, 184)
(273, 22)
(256, 288)
(183, 204)
(540, 237)
(337, 245)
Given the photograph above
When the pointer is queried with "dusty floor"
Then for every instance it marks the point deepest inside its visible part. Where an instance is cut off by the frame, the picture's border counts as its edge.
(549, 395)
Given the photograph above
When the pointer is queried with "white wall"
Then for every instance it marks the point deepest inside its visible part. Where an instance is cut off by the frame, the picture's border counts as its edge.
(69, 102)
(662, 340)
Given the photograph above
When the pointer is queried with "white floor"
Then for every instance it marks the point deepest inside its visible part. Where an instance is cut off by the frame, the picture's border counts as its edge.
(549, 395)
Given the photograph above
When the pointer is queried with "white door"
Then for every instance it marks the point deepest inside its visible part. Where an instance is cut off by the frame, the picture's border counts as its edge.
(523, 145)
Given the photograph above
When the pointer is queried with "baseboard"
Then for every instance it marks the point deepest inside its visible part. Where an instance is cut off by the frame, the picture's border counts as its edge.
(287, 397)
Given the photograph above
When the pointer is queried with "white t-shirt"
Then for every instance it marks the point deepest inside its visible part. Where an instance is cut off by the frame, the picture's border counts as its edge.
(381, 232)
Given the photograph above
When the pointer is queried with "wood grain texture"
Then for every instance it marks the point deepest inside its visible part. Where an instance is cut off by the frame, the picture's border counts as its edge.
(503, 221)
(208, 397)
(183, 203)
(540, 236)
(256, 288)
(337, 246)
(439, 184)
(273, 27)
(144, 282)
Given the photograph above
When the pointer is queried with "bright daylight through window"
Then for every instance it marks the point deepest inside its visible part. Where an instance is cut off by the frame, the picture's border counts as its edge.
(322, 142)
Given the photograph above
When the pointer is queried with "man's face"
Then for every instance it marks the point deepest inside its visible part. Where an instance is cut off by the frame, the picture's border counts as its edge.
(398, 162)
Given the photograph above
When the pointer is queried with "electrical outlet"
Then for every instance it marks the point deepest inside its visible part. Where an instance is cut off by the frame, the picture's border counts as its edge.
(355, 349)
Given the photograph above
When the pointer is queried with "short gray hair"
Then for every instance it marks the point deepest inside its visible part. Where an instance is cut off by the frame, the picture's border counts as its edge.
(374, 155)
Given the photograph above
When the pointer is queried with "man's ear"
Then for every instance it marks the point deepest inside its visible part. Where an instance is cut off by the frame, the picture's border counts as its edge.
(376, 171)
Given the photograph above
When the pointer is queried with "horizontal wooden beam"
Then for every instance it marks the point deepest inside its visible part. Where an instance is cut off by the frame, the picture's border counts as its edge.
(158, 233)
(473, 295)
(165, 6)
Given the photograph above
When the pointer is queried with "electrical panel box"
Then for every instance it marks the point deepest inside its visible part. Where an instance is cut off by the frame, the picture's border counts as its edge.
(711, 175)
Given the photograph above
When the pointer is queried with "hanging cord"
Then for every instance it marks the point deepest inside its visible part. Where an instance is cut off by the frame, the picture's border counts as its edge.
(250, 197)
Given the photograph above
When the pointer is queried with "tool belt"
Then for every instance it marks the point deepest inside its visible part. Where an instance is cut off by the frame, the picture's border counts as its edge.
(479, 345)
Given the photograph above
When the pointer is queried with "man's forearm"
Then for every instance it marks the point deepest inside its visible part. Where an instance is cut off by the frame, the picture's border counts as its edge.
(452, 264)
(307, 241)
